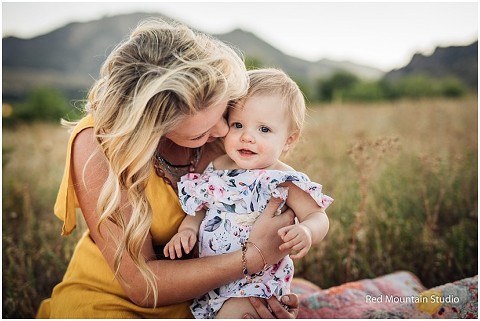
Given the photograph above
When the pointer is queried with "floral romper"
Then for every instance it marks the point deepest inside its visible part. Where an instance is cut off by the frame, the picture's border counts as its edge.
(233, 199)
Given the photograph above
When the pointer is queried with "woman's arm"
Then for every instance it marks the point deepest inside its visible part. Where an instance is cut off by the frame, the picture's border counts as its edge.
(178, 280)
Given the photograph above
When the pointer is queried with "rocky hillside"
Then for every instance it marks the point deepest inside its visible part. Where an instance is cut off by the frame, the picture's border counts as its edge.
(457, 61)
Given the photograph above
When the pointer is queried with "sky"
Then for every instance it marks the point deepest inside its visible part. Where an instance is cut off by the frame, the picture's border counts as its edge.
(384, 35)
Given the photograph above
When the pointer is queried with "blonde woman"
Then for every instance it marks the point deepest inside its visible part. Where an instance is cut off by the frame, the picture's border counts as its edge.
(234, 190)
(154, 115)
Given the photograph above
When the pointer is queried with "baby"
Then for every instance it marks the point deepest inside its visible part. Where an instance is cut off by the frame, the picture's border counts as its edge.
(224, 201)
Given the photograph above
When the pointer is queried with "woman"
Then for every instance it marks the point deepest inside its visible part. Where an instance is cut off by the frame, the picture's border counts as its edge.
(154, 115)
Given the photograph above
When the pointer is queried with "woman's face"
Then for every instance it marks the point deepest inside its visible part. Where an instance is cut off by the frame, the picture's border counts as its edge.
(203, 127)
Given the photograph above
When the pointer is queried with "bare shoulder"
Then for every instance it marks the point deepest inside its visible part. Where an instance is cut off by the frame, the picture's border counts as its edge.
(86, 157)
(223, 162)
(85, 140)
(281, 166)
(85, 148)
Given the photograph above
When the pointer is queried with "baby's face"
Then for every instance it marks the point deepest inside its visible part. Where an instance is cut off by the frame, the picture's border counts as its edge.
(259, 132)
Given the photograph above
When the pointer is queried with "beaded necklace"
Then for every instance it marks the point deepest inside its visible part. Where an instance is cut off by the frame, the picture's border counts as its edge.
(162, 165)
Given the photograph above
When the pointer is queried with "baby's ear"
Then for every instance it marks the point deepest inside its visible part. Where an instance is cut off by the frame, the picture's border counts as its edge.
(291, 140)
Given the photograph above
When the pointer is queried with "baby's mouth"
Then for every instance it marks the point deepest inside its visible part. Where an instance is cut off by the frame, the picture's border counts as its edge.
(246, 152)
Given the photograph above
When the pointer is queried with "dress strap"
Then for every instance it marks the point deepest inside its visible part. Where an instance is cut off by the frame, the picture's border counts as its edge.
(67, 203)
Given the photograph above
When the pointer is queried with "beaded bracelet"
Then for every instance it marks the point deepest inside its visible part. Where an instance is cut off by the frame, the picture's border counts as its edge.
(248, 276)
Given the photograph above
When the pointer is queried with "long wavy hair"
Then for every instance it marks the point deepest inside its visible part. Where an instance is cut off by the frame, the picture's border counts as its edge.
(163, 73)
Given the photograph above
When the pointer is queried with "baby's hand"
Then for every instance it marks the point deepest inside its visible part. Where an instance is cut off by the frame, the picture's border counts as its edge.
(297, 238)
(184, 239)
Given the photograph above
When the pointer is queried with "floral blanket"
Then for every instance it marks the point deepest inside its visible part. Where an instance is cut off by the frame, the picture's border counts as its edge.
(392, 296)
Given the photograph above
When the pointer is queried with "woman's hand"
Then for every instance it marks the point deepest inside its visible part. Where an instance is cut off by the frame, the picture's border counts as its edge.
(264, 234)
(275, 309)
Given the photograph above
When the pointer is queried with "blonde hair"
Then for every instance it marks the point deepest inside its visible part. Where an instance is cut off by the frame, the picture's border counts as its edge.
(271, 81)
(161, 74)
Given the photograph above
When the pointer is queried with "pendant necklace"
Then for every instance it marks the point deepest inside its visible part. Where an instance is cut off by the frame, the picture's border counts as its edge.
(162, 165)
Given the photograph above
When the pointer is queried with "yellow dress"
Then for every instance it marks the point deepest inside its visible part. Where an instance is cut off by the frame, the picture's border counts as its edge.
(89, 288)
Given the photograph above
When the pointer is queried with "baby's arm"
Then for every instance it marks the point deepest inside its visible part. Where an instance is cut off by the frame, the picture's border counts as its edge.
(186, 236)
(313, 223)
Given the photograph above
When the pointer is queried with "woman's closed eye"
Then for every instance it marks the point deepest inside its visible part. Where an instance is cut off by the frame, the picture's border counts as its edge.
(199, 137)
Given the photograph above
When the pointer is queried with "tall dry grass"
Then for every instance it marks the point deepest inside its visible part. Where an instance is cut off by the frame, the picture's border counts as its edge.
(34, 255)
(403, 175)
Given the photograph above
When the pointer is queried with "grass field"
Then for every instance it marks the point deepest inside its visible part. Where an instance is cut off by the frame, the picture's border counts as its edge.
(404, 177)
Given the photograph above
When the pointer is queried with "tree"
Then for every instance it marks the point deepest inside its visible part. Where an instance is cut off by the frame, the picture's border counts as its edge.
(43, 103)
(335, 87)
(252, 62)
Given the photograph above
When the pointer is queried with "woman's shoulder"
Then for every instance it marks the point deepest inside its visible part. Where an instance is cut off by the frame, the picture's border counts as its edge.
(84, 141)
(81, 129)
(83, 134)
(77, 126)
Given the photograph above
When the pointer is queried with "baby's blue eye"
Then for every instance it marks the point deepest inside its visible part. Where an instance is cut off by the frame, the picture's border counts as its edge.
(264, 129)
(237, 125)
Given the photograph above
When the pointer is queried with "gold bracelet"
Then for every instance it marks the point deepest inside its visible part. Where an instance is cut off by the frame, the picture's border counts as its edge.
(244, 263)
(265, 265)
(249, 277)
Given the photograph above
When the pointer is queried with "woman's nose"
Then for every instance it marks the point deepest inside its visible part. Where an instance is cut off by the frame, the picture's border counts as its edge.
(220, 129)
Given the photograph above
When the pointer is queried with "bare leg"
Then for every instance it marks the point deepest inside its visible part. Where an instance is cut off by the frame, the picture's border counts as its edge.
(235, 308)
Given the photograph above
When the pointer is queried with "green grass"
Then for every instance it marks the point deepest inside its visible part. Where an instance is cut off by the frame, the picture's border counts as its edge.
(404, 178)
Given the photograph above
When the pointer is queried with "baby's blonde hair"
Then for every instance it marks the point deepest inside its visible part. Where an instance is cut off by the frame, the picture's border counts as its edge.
(163, 73)
(271, 81)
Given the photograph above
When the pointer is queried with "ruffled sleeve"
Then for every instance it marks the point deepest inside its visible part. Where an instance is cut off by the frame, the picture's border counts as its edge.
(303, 182)
(67, 203)
(215, 189)
(315, 191)
(193, 192)
(242, 191)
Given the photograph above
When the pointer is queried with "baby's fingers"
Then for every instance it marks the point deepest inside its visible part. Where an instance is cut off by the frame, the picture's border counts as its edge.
(188, 242)
(299, 254)
(178, 248)
(169, 250)
(192, 242)
(287, 233)
(185, 244)
(165, 250)
(284, 231)
(287, 245)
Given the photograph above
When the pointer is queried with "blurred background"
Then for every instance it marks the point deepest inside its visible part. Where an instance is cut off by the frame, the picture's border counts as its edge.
(392, 132)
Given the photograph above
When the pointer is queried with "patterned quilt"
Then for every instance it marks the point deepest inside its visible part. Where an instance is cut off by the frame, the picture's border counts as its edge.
(392, 296)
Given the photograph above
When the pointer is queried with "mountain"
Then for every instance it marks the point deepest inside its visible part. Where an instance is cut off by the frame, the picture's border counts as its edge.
(70, 57)
(296, 67)
(457, 61)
